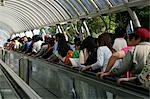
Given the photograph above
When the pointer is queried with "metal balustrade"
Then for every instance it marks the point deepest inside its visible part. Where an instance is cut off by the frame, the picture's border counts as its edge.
(64, 82)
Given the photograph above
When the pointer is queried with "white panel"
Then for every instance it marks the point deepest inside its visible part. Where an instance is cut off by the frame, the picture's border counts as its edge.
(23, 15)
(101, 3)
(79, 8)
(90, 7)
(68, 8)
(116, 2)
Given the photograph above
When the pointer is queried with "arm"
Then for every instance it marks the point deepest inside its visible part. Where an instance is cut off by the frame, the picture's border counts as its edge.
(126, 65)
(115, 56)
(34, 48)
(125, 79)
(41, 51)
(98, 64)
(100, 60)
(81, 58)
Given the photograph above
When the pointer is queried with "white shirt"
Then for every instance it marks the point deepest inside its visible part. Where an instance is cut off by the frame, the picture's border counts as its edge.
(42, 50)
(119, 43)
(103, 55)
(83, 56)
(17, 44)
(37, 46)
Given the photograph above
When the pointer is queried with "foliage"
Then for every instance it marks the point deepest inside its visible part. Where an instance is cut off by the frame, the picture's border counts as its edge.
(122, 19)
(106, 23)
(52, 30)
(144, 16)
(101, 24)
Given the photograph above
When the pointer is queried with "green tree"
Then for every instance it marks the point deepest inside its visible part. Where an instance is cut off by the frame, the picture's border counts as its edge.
(144, 16)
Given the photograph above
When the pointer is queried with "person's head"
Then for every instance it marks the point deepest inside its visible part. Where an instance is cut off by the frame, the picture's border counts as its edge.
(63, 47)
(59, 36)
(50, 41)
(120, 32)
(46, 36)
(77, 45)
(105, 40)
(25, 39)
(34, 38)
(143, 33)
(46, 40)
(133, 39)
(20, 40)
(38, 38)
(17, 38)
(77, 40)
(89, 43)
(29, 39)
(8, 40)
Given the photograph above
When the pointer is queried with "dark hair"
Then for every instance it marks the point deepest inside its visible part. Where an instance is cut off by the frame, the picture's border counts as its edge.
(120, 32)
(17, 38)
(63, 47)
(89, 43)
(8, 40)
(133, 35)
(59, 36)
(34, 38)
(51, 41)
(38, 38)
(20, 40)
(78, 43)
(105, 40)
(29, 39)
(77, 40)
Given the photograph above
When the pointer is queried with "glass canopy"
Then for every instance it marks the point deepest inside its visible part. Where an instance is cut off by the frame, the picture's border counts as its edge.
(23, 15)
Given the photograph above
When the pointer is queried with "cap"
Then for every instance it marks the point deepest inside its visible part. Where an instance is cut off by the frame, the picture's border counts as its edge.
(143, 33)
(46, 36)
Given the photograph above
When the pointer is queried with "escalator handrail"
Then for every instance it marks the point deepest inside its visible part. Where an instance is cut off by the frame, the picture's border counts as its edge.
(109, 80)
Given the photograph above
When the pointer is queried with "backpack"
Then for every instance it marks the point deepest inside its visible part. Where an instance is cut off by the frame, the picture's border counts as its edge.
(144, 76)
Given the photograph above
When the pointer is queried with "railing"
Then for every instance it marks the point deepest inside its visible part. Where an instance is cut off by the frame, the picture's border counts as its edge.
(21, 89)
(6, 90)
(69, 83)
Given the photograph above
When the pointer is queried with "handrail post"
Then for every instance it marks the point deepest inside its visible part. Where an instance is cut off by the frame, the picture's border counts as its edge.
(133, 15)
(86, 27)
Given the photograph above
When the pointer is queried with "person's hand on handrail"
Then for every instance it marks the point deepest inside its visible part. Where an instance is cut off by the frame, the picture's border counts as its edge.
(103, 74)
(125, 79)
(86, 68)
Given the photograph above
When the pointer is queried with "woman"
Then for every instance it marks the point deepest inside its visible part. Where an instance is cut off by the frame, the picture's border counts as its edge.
(88, 51)
(104, 52)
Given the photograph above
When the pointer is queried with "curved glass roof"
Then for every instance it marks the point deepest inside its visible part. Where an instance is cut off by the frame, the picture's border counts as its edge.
(22, 15)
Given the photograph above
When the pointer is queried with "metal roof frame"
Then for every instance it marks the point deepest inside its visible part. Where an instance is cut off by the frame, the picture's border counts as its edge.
(24, 15)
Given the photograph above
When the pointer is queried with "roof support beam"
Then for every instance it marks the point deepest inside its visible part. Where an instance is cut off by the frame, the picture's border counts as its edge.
(133, 15)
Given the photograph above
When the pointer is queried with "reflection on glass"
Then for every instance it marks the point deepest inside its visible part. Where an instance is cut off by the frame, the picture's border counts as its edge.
(6, 91)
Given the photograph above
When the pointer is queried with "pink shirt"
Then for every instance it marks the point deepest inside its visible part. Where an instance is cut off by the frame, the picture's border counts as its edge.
(126, 49)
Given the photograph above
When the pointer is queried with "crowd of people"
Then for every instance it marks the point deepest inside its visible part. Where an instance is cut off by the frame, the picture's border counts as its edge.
(108, 55)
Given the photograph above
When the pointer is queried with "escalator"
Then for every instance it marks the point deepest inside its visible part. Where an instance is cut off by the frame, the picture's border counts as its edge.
(6, 89)
(12, 86)
(56, 81)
